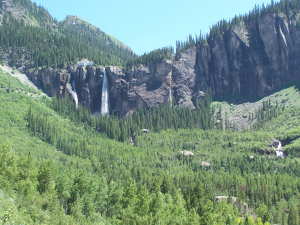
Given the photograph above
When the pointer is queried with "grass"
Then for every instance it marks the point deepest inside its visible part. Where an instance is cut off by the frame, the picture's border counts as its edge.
(242, 116)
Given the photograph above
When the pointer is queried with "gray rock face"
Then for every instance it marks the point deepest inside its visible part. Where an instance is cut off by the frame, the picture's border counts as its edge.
(141, 87)
(184, 76)
(251, 59)
(51, 81)
(87, 81)
(247, 61)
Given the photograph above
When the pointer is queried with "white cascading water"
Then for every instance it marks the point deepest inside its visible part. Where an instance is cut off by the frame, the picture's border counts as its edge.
(280, 154)
(73, 94)
(283, 36)
(104, 96)
(170, 91)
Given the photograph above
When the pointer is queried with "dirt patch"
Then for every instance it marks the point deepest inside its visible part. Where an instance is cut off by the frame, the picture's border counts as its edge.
(20, 76)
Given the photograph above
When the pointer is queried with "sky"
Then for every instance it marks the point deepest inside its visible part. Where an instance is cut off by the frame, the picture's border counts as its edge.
(145, 25)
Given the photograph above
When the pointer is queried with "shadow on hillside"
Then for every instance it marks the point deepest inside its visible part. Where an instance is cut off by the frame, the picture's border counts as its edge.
(236, 100)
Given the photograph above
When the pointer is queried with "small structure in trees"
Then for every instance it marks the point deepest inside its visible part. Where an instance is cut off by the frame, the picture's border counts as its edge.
(275, 148)
(145, 131)
(186, 153)
(205, 164)
(221, 198)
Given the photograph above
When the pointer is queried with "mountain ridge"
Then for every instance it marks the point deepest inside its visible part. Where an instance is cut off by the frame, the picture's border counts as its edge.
(60, 42)
(75, 20)
(240, 60)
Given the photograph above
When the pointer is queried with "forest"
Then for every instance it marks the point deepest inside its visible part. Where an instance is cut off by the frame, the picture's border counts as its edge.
(44, 47)
(154, 119)
(60, 168)
(43, 41)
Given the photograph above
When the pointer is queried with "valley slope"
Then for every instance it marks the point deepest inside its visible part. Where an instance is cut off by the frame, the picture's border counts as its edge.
(192, 136)
(57, 170)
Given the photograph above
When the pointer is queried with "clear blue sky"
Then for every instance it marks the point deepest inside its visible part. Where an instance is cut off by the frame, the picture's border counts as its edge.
(145, 25)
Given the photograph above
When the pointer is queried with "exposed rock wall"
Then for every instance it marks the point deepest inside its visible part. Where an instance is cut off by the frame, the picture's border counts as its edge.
(251, 59)
(247, 61)
(140, 87)
(184, 76)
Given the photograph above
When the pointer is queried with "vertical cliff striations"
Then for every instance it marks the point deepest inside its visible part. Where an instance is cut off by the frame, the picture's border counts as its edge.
(244, 60)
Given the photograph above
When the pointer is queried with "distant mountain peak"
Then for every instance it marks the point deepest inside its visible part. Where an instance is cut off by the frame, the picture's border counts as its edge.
(26, 11)
(71, 19)
(72, 22)
(44, 41)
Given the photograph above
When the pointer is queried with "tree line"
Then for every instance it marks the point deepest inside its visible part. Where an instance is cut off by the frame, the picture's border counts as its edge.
(153, 119)
(57, 47)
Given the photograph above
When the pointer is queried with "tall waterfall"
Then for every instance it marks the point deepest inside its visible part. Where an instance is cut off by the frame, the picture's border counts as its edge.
(170, 90)
(170, 96)
(104, 96)
(73, 93)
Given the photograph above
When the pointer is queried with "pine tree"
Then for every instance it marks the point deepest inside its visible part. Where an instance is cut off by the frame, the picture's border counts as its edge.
(293, 217)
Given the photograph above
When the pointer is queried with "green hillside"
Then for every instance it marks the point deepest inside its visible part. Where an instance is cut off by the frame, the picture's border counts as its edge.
(27, 12)
(249, 115)
(30, 36)
(57, 170)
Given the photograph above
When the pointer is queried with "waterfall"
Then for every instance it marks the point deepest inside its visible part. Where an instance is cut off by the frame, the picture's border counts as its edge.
(170, 96)
(73, 94)
(280, 154)
(104, 96)
(283, 36)
(170, 90)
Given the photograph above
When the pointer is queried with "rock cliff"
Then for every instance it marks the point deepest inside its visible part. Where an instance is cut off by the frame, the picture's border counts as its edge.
(252, 58)
(140, 87)
(244, 61)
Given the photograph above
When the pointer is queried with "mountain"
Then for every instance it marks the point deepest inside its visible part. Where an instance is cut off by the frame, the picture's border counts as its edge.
(30, 37)
(241, 60)
(91, 34)
(27, 12)
(209, 134)
(95, 38)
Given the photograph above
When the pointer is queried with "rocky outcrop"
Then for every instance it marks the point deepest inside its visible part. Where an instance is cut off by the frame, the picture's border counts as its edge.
(147, 86)
(51, 81)
(244, 61)
(82, 80)
(87, 81)
(251, 59)
(140, 87)
(184, 76)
